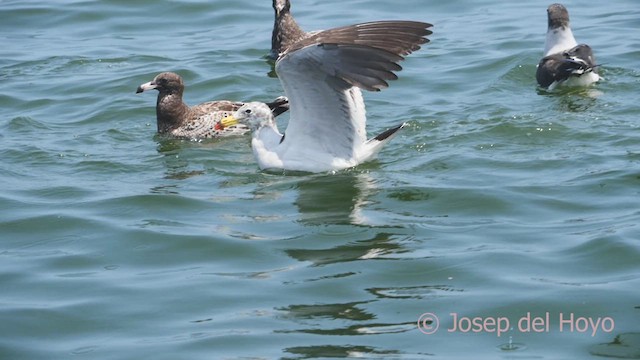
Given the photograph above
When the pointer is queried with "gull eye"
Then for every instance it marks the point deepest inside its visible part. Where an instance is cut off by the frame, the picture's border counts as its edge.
(248, 111)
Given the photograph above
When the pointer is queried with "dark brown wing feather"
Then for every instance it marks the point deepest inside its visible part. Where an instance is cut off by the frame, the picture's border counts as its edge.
(398, 37)
(366, 55)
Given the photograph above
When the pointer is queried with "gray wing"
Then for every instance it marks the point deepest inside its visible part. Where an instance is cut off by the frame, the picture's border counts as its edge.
(322, 76)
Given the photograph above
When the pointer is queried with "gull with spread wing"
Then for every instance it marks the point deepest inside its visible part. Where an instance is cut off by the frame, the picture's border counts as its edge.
(322, 75)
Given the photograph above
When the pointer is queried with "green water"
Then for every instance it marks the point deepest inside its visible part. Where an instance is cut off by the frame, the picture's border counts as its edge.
(498, 202)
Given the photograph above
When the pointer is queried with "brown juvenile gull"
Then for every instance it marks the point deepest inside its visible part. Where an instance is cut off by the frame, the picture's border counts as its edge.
(565, 62)
(322, 75)
(202, 121)
(286, 30)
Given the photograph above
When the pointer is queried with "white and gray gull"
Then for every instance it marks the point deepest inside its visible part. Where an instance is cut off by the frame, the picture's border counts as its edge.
(565, 62)
(203, 121)
(322, 74)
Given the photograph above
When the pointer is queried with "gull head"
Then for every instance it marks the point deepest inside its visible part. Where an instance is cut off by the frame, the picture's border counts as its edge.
(253, 114)
(165, 83)
(557, 16)
(281, 6)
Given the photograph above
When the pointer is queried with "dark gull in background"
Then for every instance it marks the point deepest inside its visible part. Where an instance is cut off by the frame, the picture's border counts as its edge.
(565, 62)
(177, 119)
(286, 30)
(322, 74)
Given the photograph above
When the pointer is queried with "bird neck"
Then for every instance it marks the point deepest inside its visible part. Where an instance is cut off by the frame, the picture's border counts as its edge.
(170, 112)
(286, 31)
(559, 39)
(268, 136)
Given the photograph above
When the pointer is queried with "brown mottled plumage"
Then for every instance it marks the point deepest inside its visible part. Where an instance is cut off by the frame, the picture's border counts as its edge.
(202, 121)
(286, 30)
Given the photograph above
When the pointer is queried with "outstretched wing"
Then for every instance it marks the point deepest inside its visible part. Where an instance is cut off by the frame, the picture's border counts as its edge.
(322, 76)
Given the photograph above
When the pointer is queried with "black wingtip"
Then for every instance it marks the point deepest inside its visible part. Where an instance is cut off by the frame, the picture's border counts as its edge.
(386, 134)
(279, 105)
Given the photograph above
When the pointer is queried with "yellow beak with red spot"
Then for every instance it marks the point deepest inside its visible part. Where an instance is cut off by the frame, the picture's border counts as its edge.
(227, 122)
